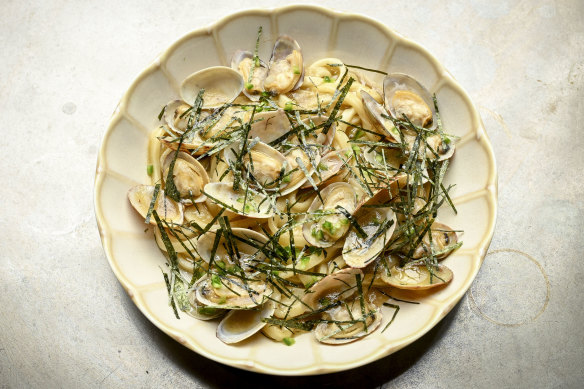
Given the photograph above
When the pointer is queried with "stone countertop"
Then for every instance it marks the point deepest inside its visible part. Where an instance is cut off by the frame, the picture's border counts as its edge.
(66, 321)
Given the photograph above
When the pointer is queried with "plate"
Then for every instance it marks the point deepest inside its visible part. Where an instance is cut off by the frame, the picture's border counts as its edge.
(136, 260)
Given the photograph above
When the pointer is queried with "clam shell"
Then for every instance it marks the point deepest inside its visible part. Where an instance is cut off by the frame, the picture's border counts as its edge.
(265, 164)
(258, 77)
(222, 85)
(336, 194)
(403, 94)
(333, 333)
(256, 205)
(359, 252)
(376, 111)
(232, 294)
(140, 197)
(248, 253)
(442, 237)
(189, 176)
(241, 324)
(286, 72)
(269, 125)
(416, 276)
(337, 286)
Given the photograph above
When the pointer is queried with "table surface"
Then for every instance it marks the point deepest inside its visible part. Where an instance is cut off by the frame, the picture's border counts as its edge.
(66, 321)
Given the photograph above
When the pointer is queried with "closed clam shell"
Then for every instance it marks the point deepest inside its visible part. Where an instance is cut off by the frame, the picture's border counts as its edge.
(404, 95)
(416, 276)
(238, 325)
(140, 197)
(221, 84)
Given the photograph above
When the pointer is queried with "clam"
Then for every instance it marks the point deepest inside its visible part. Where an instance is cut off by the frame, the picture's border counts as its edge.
(244, 243)
(200, 311)
(297, 169)
(442, 237)
(140, 197)
(176, 116)
(340, 285)
(266, 164)
(328, 228)
(404, 96)
(417, 276)
(221, 84)
(189, 176)
(378, 225)
(238, 325)
(244, 202)
(269, 125)
(379, 113)
(441, 147)
(231, 292)
(327, 167)
(243, 62)
(315, 128)
(348, 322)
(286, 71)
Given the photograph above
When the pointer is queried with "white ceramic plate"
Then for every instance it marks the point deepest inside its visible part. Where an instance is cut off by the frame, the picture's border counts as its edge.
(135, 258)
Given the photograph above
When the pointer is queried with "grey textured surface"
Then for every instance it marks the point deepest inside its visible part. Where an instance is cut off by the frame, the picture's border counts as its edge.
(66, 322)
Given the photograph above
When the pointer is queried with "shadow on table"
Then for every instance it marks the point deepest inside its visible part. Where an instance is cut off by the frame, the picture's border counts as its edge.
(215, 375)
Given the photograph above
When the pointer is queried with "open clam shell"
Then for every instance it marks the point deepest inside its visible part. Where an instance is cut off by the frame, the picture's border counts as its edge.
(222, 85)
(340, 285)
(404, 95)
(175, 116)
(238, 325)
(416, 276)
(378, 225)
(327, 167)
(442, 237)
(231, 292)
(377, 112)
(245, 243)
(325, 230)
(243, 62)
(269, 125)
(297, 175)
(267, 165)
(250, 204)
(286, 71)
(140, 197)
(189, 176)
(348, 323)
(200, 311)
